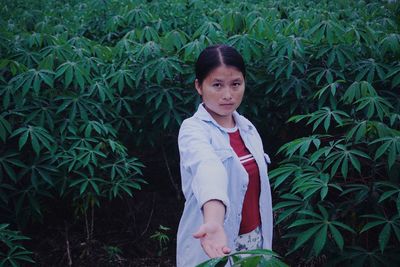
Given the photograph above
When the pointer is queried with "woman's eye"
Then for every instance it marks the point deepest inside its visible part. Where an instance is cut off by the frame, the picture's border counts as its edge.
(217, 85)
(236, 84)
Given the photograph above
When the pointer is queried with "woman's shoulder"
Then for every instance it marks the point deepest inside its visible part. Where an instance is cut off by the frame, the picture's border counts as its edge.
(195, 127)
(192, 122)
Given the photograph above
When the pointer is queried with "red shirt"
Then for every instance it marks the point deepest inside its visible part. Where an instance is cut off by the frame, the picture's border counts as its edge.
(251, 204)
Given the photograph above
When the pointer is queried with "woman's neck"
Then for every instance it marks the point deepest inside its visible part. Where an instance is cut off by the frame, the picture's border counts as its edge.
(224, 121)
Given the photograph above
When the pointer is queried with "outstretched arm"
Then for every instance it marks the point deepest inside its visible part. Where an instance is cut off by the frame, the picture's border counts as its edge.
(211, 233)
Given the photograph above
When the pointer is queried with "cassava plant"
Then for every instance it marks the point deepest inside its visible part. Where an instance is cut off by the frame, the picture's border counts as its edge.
(87, 86)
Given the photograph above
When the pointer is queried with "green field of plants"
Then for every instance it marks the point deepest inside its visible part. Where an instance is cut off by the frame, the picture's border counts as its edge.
(92, 94)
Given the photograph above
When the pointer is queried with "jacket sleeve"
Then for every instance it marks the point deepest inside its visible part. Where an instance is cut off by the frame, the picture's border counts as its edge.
(199, 158)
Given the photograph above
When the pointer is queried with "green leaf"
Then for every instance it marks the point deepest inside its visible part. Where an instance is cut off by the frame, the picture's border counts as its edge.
(305, 236)
(94, 186)
(344, 226)
(5, 128)
(398, 203)
(388, 194)
(337, 236)
(215, 262)
(384, 237)
(320, 239)
(371, 225)
(83, 187)
(22, 139)
(35, 144)
(303, 222)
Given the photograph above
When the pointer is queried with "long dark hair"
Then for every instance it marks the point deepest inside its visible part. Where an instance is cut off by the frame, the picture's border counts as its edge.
(214, 56)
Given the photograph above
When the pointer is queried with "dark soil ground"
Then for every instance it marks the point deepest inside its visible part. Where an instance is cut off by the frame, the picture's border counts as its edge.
(121, 235)
(122, 228)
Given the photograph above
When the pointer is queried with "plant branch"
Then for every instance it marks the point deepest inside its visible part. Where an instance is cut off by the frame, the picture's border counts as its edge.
(67, 245)
(171, 178)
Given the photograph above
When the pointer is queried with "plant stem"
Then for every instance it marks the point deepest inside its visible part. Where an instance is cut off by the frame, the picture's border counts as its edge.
(92, 222)
(67, 244)
(87, 227)
(150, 216)
(171, 178)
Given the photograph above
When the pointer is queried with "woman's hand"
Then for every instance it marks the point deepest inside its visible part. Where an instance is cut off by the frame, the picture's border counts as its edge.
(211, 233)
(213, 239)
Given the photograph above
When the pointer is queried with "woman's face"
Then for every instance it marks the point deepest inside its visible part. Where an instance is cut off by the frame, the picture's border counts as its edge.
(222, 92)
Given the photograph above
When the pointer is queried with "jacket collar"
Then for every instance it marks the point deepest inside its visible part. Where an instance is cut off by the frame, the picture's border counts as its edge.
(241, 122)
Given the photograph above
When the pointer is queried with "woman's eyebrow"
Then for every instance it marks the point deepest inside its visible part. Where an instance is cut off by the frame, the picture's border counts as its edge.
(233, 80)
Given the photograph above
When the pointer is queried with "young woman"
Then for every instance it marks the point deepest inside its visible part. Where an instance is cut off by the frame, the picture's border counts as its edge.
(223, 167)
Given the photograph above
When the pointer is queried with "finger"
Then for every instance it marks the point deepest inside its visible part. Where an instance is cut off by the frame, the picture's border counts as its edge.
(200, 233)
(226, 250)
(220, 253)
(210, 251)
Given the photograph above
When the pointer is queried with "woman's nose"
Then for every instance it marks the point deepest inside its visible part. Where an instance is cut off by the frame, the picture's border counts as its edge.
(227, 94)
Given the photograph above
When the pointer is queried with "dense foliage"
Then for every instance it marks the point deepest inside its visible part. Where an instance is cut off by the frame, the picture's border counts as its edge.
(83, 81)
(12, 252)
